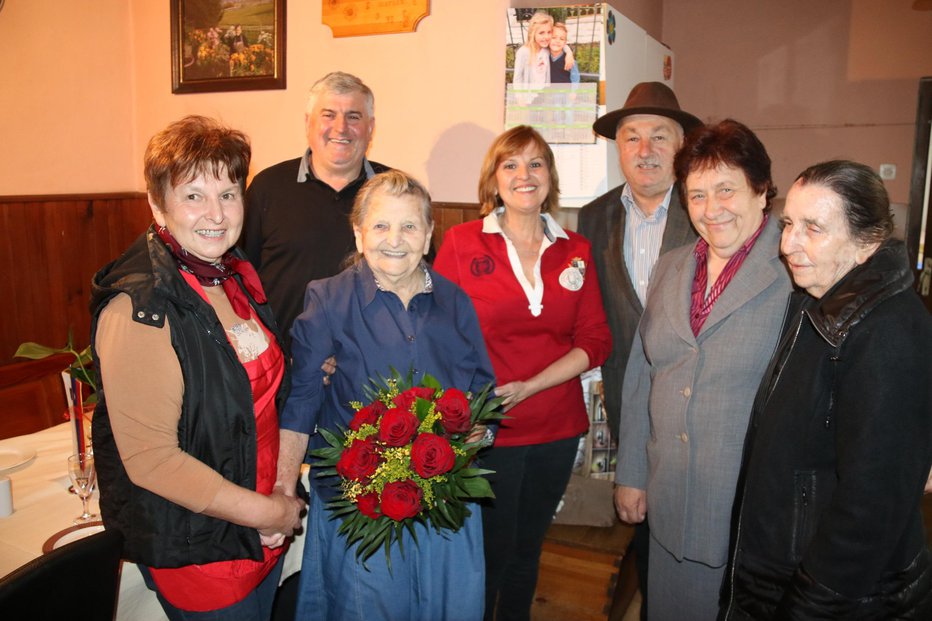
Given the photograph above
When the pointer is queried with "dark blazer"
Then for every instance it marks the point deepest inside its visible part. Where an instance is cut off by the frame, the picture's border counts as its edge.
(602, 222)
(829, 522)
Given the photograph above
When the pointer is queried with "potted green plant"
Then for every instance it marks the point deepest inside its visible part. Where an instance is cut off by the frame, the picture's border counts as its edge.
(81, 369)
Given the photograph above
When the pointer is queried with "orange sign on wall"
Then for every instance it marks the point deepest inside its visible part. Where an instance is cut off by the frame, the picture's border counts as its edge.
(351, 18)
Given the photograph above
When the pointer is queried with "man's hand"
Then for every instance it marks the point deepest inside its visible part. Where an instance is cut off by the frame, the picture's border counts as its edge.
(329, 367)
(286, 517)
(631, 504)
(272, 541)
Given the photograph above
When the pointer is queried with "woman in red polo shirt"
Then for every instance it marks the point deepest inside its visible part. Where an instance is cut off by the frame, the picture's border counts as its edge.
(540, 310)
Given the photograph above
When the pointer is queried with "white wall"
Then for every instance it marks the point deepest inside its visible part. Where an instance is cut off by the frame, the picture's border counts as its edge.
(66, 97)
(87, 82)
(814, 80)
(92, 82)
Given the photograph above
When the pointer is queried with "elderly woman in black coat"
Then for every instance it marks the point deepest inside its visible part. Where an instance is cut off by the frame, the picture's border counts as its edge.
(828, 522)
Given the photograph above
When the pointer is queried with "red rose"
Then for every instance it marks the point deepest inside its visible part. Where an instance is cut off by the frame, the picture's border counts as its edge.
(406, 399)
(359, 461)
(453, 406)
(368, 415)
(397, 427)
(431, 455)
(401, 499)
(368, 505)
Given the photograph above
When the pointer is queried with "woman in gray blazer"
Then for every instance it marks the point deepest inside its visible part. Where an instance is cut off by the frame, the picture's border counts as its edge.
(712, 318)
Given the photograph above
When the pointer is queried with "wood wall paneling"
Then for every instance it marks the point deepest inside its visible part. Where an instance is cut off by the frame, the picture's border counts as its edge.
(32, 394)
(451, 214)
(51, 246)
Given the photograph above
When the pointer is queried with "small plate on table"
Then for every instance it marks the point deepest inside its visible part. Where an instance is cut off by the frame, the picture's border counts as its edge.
(13, 458)
(71, 534)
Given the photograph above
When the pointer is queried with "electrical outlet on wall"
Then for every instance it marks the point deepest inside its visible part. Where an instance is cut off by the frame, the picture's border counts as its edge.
(888, 171)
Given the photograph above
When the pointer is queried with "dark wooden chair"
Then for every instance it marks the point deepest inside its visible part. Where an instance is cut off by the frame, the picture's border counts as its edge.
(32, 395)
(77, 582)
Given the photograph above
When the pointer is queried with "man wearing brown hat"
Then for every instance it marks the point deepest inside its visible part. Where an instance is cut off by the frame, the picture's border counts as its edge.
(629, 227)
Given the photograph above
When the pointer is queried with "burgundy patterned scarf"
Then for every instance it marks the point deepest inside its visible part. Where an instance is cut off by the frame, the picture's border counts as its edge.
(219, 273)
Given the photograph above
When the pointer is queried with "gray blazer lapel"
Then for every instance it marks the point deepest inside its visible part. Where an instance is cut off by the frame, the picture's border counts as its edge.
(677, 233)
(679, 230)
(677, 287)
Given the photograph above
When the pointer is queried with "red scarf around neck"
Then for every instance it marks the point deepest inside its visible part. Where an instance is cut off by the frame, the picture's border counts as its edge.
(218, 273)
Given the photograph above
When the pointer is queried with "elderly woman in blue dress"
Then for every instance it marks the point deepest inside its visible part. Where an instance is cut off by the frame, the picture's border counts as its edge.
(389, 309)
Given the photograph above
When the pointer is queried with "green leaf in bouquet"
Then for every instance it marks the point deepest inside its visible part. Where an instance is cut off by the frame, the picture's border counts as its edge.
(323, 472)
(459, 512)
(431, 382)
(366, 549)
(438, 522)
(443, 509)
(461, 491)
(346, 509)
(370, 394)
(371, 390)
(387, 534)
(484, 407)
(335, 440)
(461, 461)
(356, 529)
(388, 553)
(327, 454)
(478, 487)
(474, 472)
(421, 409)
(474, 487)
(409, 525)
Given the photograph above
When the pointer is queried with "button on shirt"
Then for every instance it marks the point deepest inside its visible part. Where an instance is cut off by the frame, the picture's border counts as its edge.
(643, 238)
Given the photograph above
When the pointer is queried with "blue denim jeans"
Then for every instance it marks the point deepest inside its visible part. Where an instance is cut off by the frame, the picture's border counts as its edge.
(257, 606)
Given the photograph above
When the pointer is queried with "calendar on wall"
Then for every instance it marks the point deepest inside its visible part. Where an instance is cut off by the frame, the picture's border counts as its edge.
(564, 67)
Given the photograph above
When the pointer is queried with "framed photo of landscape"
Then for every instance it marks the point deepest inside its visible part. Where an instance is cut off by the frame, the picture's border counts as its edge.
(227, 45)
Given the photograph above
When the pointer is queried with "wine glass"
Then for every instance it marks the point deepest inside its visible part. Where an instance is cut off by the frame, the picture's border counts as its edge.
(83, 477)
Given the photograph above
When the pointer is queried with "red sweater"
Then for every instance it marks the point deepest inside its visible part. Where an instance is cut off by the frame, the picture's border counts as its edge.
(520, 344)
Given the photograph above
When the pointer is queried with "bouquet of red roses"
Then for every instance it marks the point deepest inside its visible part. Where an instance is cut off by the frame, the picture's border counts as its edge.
(406, 458)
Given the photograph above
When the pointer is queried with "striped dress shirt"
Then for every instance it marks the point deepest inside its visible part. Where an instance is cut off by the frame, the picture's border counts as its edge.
(643, 237)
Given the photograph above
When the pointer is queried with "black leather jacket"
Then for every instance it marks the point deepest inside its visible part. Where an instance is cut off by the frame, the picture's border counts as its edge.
(217, 424)
(827, 521)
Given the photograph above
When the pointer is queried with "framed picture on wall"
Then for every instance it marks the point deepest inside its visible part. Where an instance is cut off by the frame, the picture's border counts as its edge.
(218, 45)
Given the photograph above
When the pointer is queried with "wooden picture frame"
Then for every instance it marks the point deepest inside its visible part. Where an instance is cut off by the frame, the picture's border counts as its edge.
(235, 49)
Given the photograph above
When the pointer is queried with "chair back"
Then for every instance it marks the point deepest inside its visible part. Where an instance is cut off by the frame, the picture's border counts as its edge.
(32, 395)
(75, 582)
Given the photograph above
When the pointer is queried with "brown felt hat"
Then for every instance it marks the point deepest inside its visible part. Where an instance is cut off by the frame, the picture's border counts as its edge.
(646, 98)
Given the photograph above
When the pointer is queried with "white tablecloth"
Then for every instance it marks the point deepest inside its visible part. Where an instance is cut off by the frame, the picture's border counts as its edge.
(43, 507)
